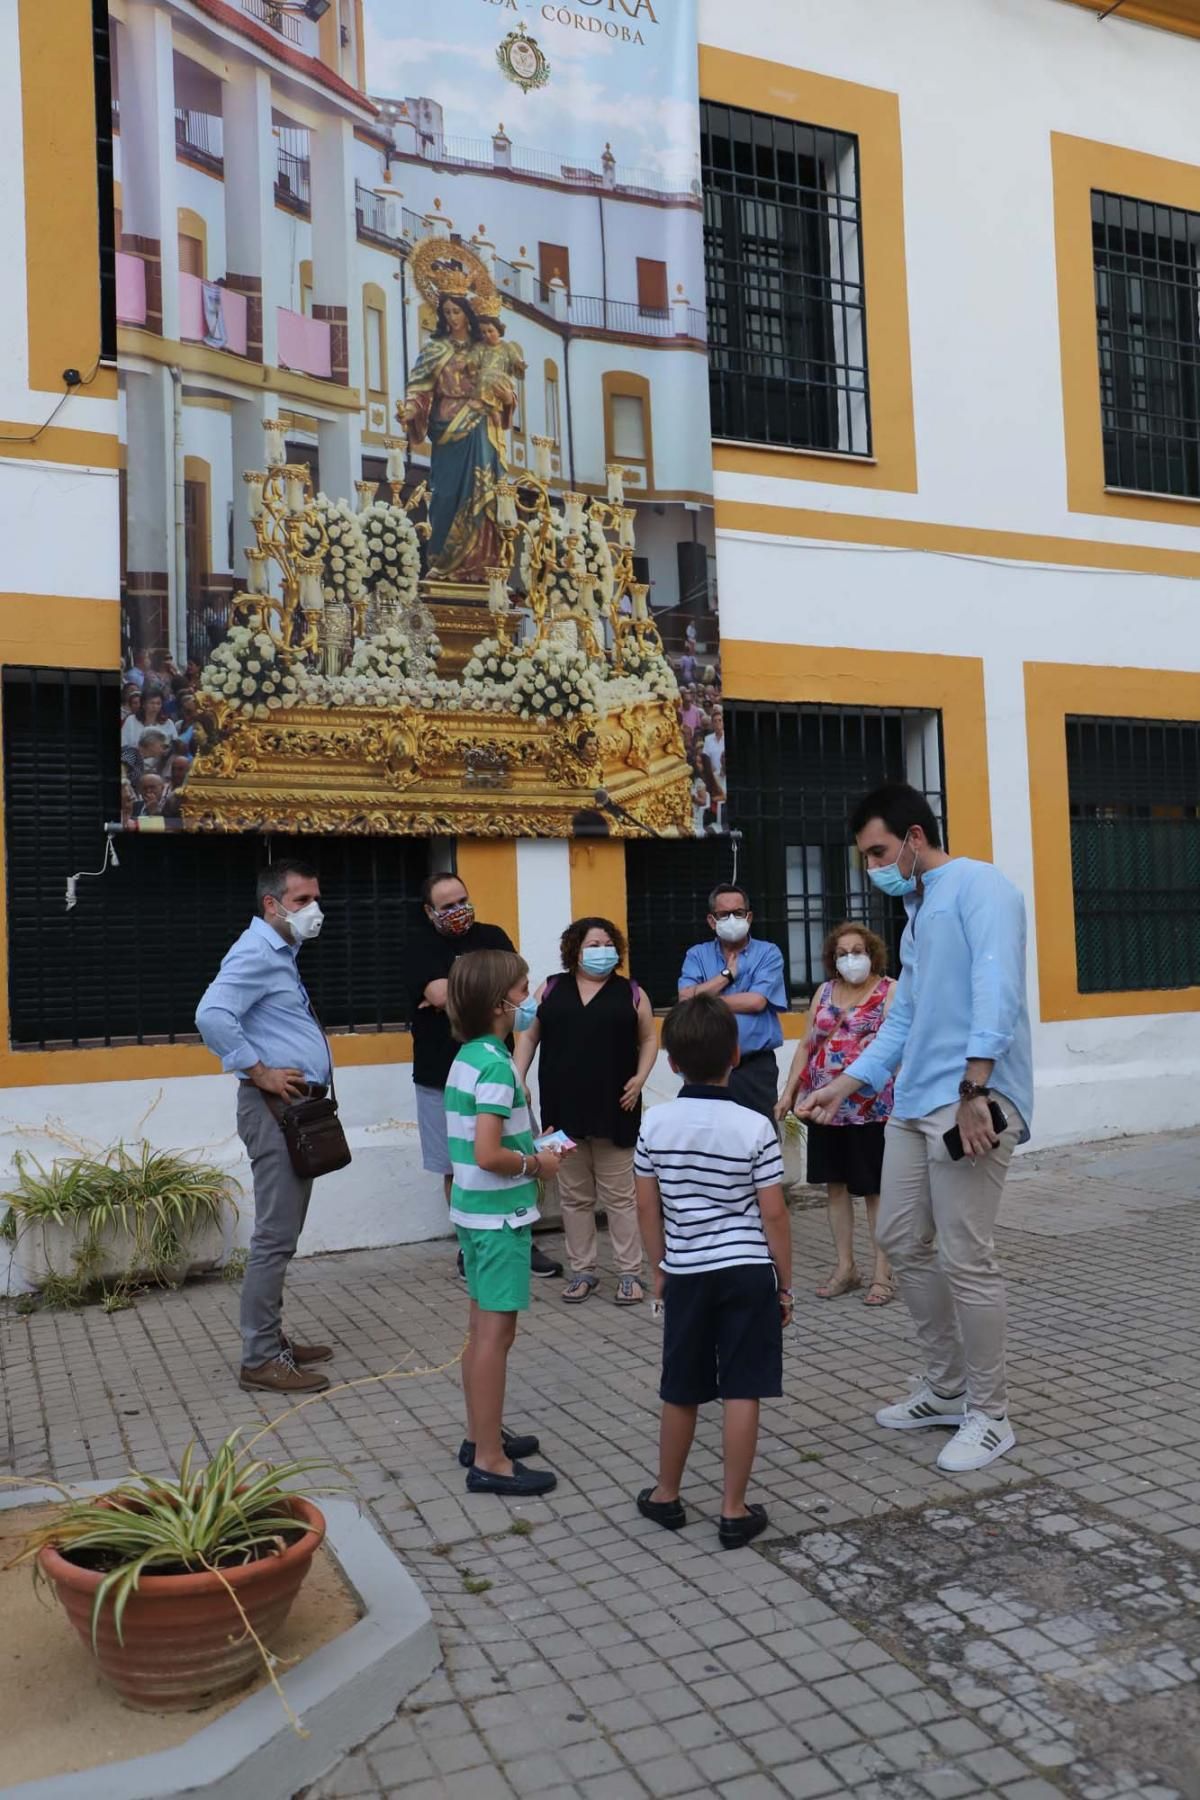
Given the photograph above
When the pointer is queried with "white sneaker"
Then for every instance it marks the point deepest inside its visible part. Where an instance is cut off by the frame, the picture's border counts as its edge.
(978, 1441)
(922, 1407)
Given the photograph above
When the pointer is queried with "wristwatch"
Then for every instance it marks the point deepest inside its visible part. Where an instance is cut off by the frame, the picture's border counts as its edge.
(728, 974)
(971, 1090)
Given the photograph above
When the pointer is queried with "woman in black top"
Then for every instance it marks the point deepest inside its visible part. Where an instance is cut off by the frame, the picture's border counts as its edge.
(596, 1031)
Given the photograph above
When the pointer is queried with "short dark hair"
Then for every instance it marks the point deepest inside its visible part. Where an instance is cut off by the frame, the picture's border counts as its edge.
(729, 887)
(900, 807)
(478, 982)
(701, 1038)
(432, 881)
(571, 943)
(273, 879)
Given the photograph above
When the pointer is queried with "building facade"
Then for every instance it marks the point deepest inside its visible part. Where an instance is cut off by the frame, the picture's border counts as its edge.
(951, 286)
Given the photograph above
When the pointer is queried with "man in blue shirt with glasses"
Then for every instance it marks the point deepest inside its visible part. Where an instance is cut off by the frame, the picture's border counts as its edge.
(747, 974)
(958, 1031)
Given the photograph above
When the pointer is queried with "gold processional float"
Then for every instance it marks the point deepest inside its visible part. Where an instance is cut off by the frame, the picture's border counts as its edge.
(352, 695)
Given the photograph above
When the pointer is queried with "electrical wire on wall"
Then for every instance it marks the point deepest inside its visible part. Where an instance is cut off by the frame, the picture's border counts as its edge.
(72, 380)
(111, 860)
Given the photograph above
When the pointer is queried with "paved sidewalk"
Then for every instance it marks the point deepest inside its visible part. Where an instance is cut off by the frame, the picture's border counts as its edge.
(1029, 1631)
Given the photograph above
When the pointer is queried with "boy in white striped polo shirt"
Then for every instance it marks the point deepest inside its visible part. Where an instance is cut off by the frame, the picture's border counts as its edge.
(493, 1204)
(716, 1229)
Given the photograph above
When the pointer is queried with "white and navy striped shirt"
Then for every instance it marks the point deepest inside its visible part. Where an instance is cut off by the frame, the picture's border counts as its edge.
(710, 1157)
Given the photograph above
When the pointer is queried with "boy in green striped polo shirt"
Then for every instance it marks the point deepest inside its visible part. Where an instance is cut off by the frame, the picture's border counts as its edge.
(493, 1204)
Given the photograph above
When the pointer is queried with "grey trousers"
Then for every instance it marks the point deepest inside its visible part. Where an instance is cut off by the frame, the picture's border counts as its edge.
(755, 1082)
(280, 1208)
(936, 1224)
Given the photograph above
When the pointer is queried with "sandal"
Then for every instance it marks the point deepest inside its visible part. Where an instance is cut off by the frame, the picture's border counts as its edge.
(579, 1288)
(838, 1285)
(629, 1291)
(880, 1293)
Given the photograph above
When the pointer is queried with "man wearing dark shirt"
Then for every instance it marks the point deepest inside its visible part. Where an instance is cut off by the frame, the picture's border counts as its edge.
(450, 931)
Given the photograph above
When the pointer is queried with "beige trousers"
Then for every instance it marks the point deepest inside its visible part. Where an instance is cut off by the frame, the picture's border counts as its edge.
(596, 1174)
(936, 1224)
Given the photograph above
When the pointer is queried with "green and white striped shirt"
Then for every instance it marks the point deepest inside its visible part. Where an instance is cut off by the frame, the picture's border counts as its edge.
(482, 1079)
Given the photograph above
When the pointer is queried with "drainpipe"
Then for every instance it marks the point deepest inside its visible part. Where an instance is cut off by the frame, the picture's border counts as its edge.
(180, 609)
(567, 398)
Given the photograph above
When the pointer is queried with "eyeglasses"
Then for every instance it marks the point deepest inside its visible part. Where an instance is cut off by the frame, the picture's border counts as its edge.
(735, 912)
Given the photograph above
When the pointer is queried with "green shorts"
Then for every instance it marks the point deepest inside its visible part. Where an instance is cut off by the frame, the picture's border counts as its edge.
(496, 1264)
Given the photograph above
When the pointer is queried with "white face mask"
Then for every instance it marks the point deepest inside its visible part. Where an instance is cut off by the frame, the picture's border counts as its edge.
(731, 930)
(306, 921)
(854, 967)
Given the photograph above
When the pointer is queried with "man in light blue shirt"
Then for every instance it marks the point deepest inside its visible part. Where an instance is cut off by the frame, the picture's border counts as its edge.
(257, 1018)
(958, 1031)
(747, 974)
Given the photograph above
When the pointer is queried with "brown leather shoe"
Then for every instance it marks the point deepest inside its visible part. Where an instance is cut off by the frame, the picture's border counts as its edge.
(281, 1376)
(305, 1353)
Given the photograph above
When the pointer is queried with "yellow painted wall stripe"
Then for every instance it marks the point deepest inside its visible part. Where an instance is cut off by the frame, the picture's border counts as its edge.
(57, 631)
(59, 444)
(488, 869)
(960, 540)
(598, 880)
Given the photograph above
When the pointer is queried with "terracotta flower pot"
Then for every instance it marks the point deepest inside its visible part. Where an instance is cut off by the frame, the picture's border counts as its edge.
(185, 1643)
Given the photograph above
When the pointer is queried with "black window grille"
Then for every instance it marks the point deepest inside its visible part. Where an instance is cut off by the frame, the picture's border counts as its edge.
(102, 65)
(795, 775)
(783, 264)
(1134, 790)
(130, 961)
(1147, 259)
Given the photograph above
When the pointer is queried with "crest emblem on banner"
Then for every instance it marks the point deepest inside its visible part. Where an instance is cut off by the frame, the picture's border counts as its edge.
(523, 61)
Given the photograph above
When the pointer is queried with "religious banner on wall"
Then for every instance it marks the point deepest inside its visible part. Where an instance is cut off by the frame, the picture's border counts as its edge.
(455, 572)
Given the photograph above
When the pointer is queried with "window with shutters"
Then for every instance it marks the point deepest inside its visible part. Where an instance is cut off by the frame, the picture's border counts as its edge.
(1147, 268)
(191, 255)
(783, 270)
(130, 961)
(794, 774)
(1134, 790)
(652, 286)
(107, 227)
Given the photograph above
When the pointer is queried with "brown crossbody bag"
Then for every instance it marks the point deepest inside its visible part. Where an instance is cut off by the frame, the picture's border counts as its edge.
(316, 1142)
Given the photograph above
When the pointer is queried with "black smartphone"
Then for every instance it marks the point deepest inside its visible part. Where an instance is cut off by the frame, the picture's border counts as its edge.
(953, 1138)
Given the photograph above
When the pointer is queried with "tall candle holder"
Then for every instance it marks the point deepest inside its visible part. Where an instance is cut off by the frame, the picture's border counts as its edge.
(290, 535)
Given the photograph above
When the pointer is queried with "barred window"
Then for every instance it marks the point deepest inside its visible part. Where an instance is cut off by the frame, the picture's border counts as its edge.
(795, 775)
(783, 266)
(1147, 301)
(1134, 790)
(107, 244)
(129, 962)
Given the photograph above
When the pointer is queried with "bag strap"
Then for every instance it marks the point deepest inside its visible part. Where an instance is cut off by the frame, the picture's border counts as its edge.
(316, 1018)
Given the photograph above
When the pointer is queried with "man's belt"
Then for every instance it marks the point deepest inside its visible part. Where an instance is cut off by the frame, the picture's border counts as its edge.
(309, 1090)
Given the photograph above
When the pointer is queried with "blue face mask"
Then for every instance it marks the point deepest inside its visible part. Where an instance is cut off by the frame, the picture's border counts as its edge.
(889, 880)
(525, 1013)
(598, 959)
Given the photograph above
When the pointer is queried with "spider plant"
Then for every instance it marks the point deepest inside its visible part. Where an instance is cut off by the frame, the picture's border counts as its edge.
(229, 1512)
(157, 1199)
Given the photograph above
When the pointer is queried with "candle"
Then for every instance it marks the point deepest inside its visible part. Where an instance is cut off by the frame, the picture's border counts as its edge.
(541, 458)
(366, 491)
(276, 454)
(256, 571)
(312, 597)
(639, 591)
(295, 493)
(255, 481)
(395, 463)
(625, 534)
(587, 594)
(573, 513)
(506, 504)
(616, 483)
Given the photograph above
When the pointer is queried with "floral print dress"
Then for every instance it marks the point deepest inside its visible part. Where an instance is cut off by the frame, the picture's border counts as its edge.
(838, 1040)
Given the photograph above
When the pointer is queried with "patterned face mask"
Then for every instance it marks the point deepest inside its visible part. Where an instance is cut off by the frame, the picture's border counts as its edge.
(452, 921)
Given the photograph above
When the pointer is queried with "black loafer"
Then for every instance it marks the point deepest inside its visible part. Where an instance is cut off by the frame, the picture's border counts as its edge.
(670, 1514)
(733, 1533)
(512, 1446)
(523, 1483)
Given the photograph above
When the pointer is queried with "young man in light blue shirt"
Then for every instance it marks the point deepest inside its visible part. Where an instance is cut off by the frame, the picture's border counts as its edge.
(958, 1031)
(747, 974)
(257, 1018)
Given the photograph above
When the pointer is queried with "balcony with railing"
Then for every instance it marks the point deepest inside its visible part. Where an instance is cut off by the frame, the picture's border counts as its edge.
(289, 27)
(199, 137)
(293, 179)
(589, 312)
(500, 154)
(196, 327)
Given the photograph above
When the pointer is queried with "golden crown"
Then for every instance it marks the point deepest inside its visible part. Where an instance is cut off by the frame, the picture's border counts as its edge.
(487, 306)
(453, 281)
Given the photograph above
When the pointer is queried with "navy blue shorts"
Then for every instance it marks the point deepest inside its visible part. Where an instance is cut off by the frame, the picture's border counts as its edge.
(723, 1336)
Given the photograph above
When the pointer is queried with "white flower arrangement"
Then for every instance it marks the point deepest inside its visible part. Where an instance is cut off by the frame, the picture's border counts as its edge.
(555, 682)
(344, 576)
(393, 549)
(560, 586)
(246, 672)
(649, 669)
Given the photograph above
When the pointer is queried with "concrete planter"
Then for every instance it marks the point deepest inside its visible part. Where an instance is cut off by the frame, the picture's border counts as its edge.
(45, 1248)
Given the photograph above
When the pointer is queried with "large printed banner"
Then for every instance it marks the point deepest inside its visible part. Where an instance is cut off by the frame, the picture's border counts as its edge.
(438, 553)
